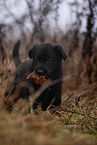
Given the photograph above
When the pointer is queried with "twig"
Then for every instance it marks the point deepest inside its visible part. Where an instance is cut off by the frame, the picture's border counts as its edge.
(78, 113)
(69, 97)
(7, 96)
(78, 98)
(61, 109)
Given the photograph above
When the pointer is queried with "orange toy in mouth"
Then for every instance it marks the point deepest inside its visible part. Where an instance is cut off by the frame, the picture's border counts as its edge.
(37, 78)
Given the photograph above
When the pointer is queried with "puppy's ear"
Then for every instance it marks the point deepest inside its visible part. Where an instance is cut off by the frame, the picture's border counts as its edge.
(32, 51)
(60, 52)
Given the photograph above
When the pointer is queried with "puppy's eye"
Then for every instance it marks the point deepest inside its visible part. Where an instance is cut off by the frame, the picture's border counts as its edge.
(48, 60)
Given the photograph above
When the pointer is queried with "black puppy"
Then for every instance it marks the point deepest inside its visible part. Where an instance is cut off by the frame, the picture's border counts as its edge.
(45, 60)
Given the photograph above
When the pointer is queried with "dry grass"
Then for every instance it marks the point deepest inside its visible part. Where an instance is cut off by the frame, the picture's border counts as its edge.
(42, 128)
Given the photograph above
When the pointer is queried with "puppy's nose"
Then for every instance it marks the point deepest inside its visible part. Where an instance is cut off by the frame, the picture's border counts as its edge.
(39, 72)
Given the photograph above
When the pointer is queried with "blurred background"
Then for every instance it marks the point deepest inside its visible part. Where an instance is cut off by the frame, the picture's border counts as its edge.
(70, 23)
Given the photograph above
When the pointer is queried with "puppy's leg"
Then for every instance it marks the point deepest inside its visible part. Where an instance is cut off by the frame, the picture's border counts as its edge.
(35, 105)
(46, 104)
(24, 92)
(56, 93)
(44, 100)
(50, 98)
(23, 89)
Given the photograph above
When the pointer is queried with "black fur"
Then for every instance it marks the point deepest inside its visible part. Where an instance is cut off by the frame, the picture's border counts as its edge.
(24, 92)
(15, 54)
(45, 60)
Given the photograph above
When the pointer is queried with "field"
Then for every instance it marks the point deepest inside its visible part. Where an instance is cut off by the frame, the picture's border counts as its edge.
(74, 123)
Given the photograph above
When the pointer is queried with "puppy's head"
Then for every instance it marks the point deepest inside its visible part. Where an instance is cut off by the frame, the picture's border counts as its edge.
(47, 58)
